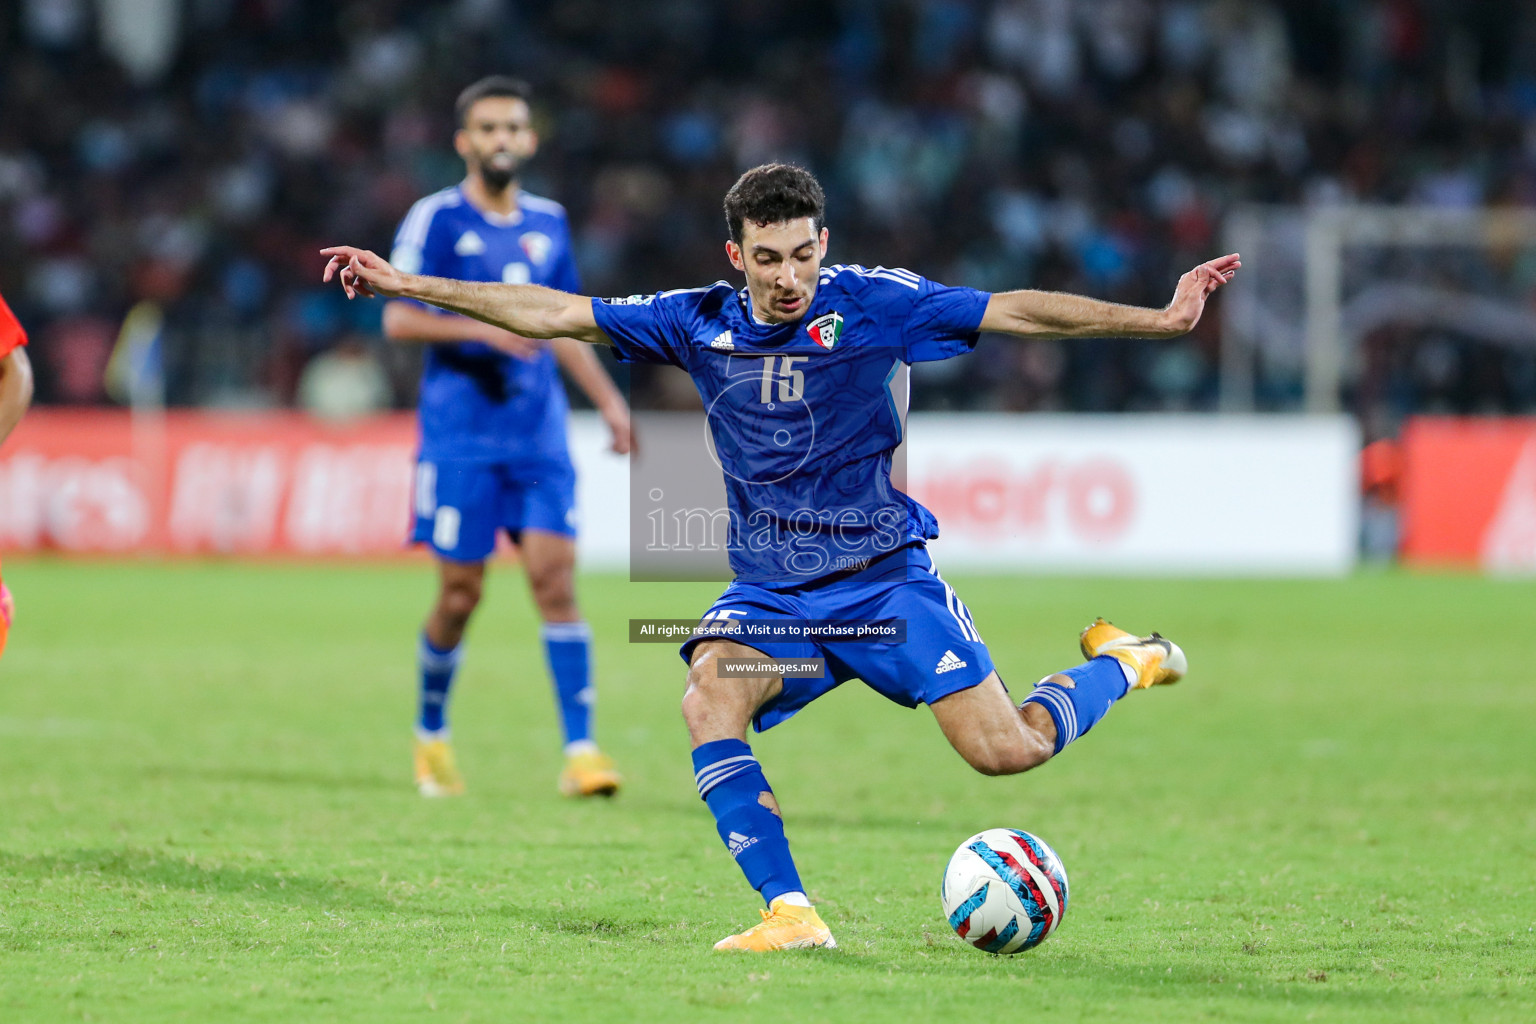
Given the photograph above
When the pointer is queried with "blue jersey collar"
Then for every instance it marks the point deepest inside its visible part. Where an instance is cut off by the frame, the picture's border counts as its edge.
(774, 334)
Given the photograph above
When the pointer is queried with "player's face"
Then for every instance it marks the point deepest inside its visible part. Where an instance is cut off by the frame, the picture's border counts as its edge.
(497, 139)
(781, 262)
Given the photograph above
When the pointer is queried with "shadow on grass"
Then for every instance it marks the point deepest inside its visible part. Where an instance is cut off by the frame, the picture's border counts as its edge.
(693, 810)
(150, 870)
(1118, 981)
(573, 922)
(903, 824)
(267, 777)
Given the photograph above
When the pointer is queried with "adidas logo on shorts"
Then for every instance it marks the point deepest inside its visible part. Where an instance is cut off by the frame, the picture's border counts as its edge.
(949, 663)
(738, 842)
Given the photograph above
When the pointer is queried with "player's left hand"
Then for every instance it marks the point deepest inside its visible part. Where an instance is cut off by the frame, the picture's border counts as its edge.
(1194, 288)
(623, 437)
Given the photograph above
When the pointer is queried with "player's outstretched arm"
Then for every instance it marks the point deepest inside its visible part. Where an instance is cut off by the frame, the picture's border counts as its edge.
(530, 310)
(1035, 314)
(410, 323)
(15, 389)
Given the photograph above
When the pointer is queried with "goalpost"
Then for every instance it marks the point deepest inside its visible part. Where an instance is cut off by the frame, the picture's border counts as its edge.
(1316, 280)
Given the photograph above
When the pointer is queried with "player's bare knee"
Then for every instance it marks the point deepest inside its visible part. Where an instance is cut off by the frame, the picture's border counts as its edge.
(694, 704)
(1008, 759)
(988, 762)
(555, 594)
(717, 707)
(702, 686)
(705, 705)
(459, 599)
(997, 766)
(692, 680)
(1026, 758)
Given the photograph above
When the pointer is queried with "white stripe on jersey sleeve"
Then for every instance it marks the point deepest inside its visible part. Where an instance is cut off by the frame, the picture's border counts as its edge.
(413, 230)
(689, 291)
(896, 274)
(892, 277)
(539, 203)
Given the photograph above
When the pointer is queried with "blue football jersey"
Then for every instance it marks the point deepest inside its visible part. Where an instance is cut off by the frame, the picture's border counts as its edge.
(479, 404)
(803, 415)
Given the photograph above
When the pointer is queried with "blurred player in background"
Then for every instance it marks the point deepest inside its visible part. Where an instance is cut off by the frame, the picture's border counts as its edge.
(825, 535)
(15, 396)
(493, 453)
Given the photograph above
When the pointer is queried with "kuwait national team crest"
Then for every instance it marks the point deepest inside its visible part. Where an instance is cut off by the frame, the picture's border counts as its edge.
(536, 246)
(825, 330)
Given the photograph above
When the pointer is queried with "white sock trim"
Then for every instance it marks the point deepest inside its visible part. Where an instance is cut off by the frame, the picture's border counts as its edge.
(794, 899)
(1053, 698)
(433, 661)
(566, 632)
(710, 776)
(580, 747)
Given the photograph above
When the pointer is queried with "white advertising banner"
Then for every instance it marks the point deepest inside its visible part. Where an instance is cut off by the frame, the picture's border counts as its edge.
(1195, 495)
(1122, 494)
(1139, 494)
(602, 495)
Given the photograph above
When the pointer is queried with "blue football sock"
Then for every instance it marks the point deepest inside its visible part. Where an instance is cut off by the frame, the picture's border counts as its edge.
(568, 650)
(437, 668)
(1075, 709)
(746, 816)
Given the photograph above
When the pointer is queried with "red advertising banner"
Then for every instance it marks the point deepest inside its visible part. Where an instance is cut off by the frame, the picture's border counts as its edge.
(201, 483)
(1469, 493)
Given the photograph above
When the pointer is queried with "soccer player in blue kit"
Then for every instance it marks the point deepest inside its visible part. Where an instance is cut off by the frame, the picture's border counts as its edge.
(493, 453)
(796, 372)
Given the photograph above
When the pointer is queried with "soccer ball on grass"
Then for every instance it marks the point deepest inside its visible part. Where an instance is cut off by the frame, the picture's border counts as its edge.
(1004, 891)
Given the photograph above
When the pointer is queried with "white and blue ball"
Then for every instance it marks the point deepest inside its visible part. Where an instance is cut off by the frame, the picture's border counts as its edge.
(1004, 891)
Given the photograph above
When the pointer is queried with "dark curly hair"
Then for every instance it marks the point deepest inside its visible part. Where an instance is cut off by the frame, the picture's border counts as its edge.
(497, 86)
(771, 194)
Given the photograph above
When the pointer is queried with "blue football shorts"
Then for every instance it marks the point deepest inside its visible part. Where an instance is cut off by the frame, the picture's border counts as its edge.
(942, 652)
(459, 506)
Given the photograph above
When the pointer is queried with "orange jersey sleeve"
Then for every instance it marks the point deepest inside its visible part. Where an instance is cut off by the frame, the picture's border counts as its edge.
(11, 334)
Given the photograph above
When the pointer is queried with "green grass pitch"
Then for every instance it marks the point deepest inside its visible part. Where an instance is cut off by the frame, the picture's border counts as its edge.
(206, 813)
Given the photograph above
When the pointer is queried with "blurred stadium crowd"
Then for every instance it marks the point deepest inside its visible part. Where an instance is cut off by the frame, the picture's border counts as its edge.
(199, 154)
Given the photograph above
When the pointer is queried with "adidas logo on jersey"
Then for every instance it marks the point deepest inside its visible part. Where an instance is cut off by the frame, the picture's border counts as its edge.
(723, 341)
(469, 244)
(737, 842)
(949, 663)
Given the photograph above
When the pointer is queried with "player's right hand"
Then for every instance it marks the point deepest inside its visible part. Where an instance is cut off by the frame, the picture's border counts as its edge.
(362, 272)
(1183, 312)
(512, 344)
